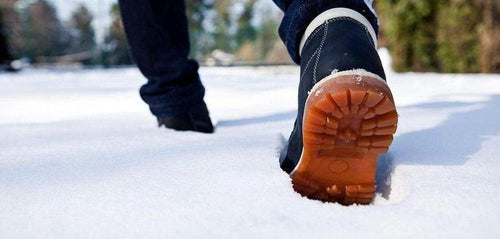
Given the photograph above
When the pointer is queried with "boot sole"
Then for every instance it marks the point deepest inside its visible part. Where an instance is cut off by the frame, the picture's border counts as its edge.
(348, 121)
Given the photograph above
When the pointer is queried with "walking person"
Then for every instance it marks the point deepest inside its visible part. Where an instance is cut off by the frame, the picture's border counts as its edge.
(346, 114)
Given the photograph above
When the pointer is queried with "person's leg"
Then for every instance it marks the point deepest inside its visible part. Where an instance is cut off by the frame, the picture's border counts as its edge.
(346, 113)
(157, 32)
(299, 13)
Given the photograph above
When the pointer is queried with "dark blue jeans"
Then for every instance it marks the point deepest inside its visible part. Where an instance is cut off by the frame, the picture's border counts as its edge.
(158, 37)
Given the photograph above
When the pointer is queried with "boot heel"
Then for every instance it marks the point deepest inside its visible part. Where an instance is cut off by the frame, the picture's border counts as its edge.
(348, 121)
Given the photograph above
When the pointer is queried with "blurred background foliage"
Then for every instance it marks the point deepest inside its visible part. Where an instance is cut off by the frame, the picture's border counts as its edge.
(421, 35)
(441, 35)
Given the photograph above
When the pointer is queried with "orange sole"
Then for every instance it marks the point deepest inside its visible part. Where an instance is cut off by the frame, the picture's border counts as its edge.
(348, 121)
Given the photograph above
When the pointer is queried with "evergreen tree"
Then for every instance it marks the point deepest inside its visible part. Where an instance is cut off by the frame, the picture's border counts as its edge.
(81, 23)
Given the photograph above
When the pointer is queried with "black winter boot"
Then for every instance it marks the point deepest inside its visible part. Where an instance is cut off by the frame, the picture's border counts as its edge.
(346, 114)
(196, 119)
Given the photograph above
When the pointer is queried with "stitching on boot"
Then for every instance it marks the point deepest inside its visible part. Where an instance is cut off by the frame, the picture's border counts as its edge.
(319, 53)
(313, 34)
(307, 65)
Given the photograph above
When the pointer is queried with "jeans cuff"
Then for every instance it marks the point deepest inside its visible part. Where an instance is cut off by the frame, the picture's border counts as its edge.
(301, 12)
(175, 100)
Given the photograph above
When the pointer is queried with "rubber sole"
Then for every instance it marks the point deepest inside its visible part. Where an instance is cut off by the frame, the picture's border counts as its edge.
(348, 121)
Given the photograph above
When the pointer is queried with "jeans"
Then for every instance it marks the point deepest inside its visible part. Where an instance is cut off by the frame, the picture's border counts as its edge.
(159, 42)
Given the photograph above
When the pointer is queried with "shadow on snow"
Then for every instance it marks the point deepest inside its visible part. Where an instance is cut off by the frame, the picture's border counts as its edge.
(450, 143)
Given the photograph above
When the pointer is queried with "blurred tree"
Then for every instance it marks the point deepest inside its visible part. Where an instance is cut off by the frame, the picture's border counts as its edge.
(246, 31)
(442, 35)
(489, 31)
(458, 36)
(410, 32)
(43, 32)
(258, 43)
(222, 35)
(115, 50)
(82, 32)
(267, 34)
(196, 11)
(13, 27)
(5, 56)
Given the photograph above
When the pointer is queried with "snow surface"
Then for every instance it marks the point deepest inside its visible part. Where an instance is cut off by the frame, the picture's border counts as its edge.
(81, 157)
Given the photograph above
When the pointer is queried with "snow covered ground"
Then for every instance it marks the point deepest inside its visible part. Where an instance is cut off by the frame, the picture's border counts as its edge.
(81, 157)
